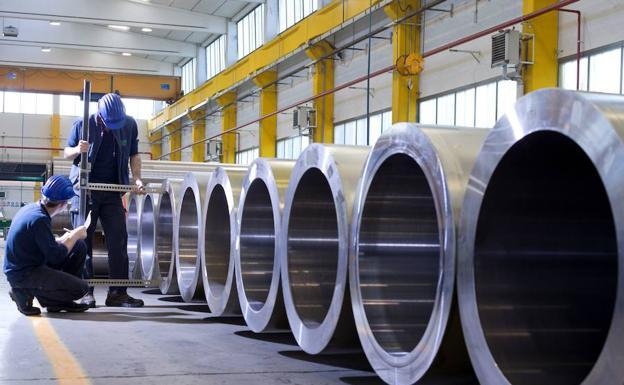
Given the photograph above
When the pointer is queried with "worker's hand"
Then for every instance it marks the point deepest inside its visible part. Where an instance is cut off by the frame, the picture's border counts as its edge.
(83, 146)
(139, 187)
(79, 232)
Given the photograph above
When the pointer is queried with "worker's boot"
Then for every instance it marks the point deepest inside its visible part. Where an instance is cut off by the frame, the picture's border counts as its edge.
(121, 299)
(88, 300)
(23, 300)
(69, 307)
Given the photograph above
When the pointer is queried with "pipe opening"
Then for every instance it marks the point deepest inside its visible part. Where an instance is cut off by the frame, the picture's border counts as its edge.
(257, 244)
(545, 261)
(312, 248)
(164, 235)
(187, 238)
(133, 233)
(147, 235)
(217, 241)
(399, 254)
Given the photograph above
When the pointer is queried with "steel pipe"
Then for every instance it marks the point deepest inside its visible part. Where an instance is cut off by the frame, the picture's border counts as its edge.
(314, 245)
(256, 260)
(188, 232)
(166, 210)
(147, 240)
(540, 274)
(133, 227)
(403, 253)
(219, 219)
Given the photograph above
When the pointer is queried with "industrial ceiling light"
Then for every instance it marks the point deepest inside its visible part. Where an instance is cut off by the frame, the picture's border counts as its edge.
(55, 23)
(126, 54)
(46, 49)
(119, 27)
(145, 29)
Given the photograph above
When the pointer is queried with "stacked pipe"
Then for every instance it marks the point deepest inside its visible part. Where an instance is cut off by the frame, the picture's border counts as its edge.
(456, 255)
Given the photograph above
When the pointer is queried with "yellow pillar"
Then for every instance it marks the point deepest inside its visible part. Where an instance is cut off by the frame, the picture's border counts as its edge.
(268, 104)
(544, 72)
(199, 133)
(37, 192)
(322, 80)
(175, 140)
(228, 121)
(406, 55)
(55, 129)
(155, 138)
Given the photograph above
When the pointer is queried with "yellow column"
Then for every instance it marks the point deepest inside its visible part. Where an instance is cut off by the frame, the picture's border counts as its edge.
(228, 121)
(199, 133)
(268, 104)
(37, 192)
(156, 147)
(545, 29)
(322, 80)
(175, 140)
(406, 55)
(55, 130)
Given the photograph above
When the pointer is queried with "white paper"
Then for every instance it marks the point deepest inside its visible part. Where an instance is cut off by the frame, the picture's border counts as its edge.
(87, 221)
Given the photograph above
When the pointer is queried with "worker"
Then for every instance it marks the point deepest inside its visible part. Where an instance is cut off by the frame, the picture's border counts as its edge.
(38, 265)
(112, 144)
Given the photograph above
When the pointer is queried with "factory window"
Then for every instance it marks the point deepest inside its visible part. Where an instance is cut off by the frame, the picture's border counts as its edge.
(245, 157)
(27, 103)
(188, 76)
(599, 71)
(139, 108)
(475, 106)
(290, 148)
(354, 132)
(215, 57)
(71, 105)
(1, 101)
(292, 11)
(250, 31)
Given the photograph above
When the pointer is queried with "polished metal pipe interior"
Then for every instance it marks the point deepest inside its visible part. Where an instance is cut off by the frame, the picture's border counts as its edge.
(402, 265)
(314, 245)
(166, 214)
(540, 274)
(256, 260)
(133, 226)
(188, 231)
(219, 218)
(147, 240)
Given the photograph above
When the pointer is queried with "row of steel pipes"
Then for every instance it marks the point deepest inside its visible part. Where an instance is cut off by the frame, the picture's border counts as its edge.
(456, 255)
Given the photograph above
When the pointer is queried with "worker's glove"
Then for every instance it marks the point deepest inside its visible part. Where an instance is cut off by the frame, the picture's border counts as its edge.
(139, 188)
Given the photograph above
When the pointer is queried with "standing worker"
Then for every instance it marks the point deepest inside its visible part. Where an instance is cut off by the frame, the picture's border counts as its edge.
(113, 142)
(38, 265)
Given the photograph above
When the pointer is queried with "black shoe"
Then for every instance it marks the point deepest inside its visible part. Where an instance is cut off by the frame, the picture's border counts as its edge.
(23, 300)
(122, 300)
(88, 300)
(69, 307)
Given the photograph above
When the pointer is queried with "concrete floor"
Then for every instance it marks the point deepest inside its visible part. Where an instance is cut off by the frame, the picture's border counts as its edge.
(166, 342)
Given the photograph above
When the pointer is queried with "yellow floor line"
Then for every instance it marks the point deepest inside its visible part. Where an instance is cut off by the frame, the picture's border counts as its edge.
(66, 367)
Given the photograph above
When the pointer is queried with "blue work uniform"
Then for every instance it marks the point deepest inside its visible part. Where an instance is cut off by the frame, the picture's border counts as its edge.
(34, 261)
(109, 155)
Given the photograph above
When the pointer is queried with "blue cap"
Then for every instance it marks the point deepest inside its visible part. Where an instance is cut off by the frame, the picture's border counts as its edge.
(58, 188)
(112, 111)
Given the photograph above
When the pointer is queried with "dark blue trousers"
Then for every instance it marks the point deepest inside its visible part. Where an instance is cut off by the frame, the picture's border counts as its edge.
(108, 209)
(56, 285)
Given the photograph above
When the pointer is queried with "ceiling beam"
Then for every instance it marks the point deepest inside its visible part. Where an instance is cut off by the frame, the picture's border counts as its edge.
(11, 55)
(118, 12)
(94, 38)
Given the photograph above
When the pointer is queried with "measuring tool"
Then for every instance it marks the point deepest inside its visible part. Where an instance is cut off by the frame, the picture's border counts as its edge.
(123, 282)
(121, 187)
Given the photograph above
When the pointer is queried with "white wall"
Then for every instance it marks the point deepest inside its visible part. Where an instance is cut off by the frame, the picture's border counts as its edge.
(16, 193)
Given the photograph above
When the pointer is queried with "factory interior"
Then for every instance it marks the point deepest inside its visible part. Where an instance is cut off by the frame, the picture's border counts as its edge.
(312, 192)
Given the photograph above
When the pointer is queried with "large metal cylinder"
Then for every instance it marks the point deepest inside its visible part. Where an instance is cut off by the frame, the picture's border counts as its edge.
(403, 256)
(166, 216)
(314, 245)
(147, 240)
(133, 228)
(188, 233)
(256, 260)
(219, 229)
(540, 278)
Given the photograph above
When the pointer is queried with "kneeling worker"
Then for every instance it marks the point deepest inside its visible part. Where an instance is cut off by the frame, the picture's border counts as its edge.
(38, 265)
